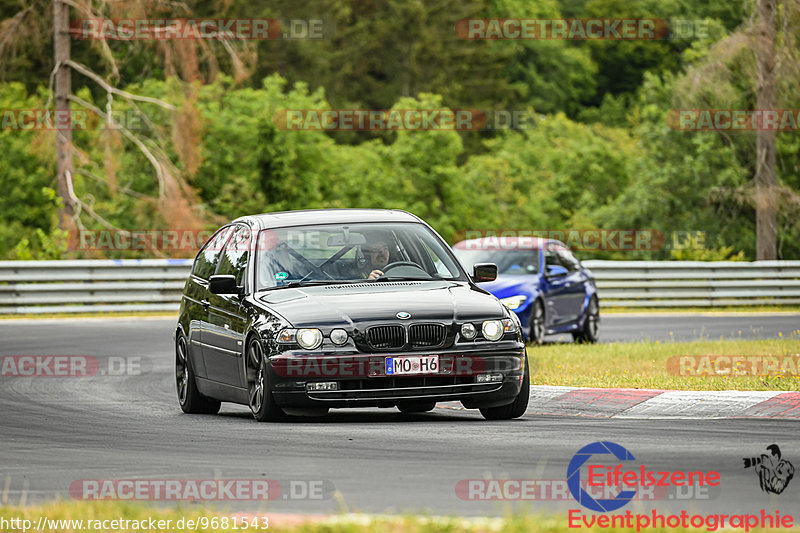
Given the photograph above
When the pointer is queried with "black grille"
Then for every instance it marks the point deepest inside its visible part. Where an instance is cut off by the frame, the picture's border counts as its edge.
(427, 335)
(386, 337)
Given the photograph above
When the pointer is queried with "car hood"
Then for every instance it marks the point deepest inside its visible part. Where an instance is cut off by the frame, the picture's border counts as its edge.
(331, 305)
(505, 286)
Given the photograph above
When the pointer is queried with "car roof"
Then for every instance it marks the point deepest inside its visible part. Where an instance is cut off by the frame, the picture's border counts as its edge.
(501, 243)
(326, 216)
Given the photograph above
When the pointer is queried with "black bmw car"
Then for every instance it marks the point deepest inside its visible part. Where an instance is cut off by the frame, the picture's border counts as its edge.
(298, 312)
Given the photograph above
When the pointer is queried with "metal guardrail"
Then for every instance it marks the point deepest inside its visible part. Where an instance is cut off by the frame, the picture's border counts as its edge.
(696, 283)
(86, 286)
(35, 287)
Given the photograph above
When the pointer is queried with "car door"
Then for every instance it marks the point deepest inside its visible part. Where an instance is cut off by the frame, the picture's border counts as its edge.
(196, 297)
(223, 335)
(575, 289)
(556, 293)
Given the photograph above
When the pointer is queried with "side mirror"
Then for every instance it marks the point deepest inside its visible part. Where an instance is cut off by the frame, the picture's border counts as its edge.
(554, 271)
(484, 272)
(224, 284)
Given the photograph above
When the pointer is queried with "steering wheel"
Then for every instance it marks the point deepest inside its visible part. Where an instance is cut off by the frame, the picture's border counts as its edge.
(397, 264)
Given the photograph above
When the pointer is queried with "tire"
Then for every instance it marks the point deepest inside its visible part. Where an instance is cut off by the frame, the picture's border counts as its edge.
(189, 398)
(259, 393)
(516, 408)
(589, 333)
(537, 328)
(416, 407)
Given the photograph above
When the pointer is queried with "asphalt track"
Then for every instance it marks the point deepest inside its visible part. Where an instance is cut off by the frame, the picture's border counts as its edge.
(54, 431)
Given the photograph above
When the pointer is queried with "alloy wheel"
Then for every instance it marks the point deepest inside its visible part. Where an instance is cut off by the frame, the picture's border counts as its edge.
(255, 376)
(181, 370)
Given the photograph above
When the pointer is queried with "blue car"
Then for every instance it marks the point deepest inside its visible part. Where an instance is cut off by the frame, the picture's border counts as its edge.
(542, 282)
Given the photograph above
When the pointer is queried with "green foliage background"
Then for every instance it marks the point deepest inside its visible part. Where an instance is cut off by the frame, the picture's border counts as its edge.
(598, 153)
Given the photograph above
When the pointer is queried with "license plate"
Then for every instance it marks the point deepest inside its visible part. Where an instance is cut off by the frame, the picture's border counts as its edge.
(402, 366)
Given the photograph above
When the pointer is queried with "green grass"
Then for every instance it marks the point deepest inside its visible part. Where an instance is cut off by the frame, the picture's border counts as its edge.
(520, 522)
(643, 365)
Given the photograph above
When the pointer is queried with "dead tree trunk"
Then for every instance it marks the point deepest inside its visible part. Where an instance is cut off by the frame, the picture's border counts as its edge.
(765, 181)
(63, 88)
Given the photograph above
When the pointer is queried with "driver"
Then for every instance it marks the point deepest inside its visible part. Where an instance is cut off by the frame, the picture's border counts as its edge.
(376, 255)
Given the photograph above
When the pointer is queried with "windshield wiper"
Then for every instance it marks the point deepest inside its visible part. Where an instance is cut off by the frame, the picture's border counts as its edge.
(402, 278)
(309, 283)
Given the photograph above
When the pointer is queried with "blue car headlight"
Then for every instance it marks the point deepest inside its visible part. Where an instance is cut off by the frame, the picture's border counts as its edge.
(514, 302)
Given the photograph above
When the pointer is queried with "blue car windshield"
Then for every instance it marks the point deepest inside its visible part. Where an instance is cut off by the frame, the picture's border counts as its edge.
(509, 262)
(346, 253)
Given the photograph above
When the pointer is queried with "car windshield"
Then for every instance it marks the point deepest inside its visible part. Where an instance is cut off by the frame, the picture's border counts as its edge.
(337, 253)
(509, 262)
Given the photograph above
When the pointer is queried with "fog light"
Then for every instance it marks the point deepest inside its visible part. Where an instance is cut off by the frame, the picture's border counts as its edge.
(489, 378)
(338, 337)
(468, 331)
(322, 386)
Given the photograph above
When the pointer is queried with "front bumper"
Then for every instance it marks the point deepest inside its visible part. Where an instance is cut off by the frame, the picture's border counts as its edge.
(363, 382)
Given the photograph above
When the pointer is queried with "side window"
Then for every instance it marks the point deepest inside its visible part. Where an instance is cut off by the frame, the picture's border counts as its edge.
(441, 269)
(551, 258)
(569, 261)
(206, 262)
(234, 259)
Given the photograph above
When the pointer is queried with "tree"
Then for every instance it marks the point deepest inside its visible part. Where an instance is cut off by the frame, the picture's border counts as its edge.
(63, 89)
(766, 182)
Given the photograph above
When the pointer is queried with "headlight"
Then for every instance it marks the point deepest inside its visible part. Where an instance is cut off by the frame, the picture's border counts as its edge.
(309, 338)
(492, 330)
(468, 331)
(306, 338)
(495, 329)
(338, 337)
(514, 302)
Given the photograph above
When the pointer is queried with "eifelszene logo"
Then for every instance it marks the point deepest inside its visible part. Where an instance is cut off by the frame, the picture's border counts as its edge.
(574, 476)
(774, 473)
(615, 477)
